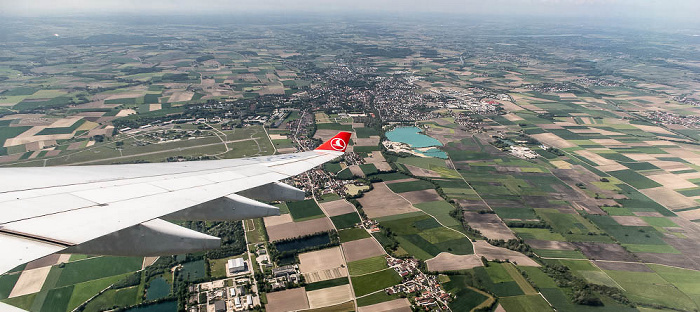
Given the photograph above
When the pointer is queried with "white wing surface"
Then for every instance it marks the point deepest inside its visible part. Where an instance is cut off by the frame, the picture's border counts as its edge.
(115, 209)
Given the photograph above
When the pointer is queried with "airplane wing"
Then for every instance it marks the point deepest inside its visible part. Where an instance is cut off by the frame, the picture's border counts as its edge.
(116, 209)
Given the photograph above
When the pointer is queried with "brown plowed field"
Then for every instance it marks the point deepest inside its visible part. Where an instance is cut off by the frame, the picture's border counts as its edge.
(381, 202)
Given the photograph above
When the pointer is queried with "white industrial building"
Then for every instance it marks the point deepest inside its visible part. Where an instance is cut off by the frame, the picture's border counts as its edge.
(236, 265)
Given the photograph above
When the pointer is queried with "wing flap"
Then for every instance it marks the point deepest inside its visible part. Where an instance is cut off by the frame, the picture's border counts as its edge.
(18, 250)
(80, 225)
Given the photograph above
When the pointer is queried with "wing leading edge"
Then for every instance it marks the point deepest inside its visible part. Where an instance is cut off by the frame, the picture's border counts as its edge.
(97, 208)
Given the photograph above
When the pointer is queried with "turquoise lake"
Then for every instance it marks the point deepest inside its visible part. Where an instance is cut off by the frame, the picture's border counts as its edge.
(434, 152)
(413, 137)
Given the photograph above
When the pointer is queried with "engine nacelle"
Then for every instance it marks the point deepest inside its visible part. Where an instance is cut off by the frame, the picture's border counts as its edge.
(228, 208)
(274, 191)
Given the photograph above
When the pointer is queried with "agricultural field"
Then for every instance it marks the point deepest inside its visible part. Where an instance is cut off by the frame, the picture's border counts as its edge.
(367, 265)
(352, 234)
(543, 172)
(304, 210)
(373, 282)
(65, 286)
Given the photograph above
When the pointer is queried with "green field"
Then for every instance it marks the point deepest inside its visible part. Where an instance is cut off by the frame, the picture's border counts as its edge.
(375, 298)
(467, 298)
(423, 237)
(22, 302)
(85, 291)
(519, 279)
(651, 248)
(539, 278)
(8, 133)
(650, 288)
(369, 169)
(565, 223)
(327, 283)
(345, 174)
(304, 210)
(64, 130)
(531, 303)
(334, 126)
(401, 187)
(217, 267)
(255, 230)
(368, 265)
(283, 207)
(57, 299)
(328, 197)
(498, 280)
(20, 91)
(659, 221)
(522, 213)
(7, 282)
(283, 143)
(634, 179)
(569, 254)
(638, 235)
(685, 280)
(370, 283)
(441, 211)
(366, 132)
(365, 149)
(391, 176)
(348, 235)
(541, 234)
(422, 162)
(332, 167)
(96, 268)
(114, 297)
(345, 221)
(31, 104)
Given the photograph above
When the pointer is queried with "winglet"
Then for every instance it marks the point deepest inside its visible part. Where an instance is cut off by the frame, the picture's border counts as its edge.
(338, 143)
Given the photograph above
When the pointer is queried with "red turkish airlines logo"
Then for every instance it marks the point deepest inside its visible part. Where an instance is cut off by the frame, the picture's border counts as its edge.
(338, 144)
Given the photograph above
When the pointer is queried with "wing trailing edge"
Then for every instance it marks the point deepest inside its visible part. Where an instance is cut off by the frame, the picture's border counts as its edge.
(152, 238)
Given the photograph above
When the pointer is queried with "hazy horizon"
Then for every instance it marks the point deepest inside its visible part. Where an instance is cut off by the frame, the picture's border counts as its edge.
(670, 11)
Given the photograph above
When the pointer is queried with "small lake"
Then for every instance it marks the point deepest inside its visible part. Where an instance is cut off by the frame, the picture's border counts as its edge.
(193, 270)
(307, 242)
(168, 306)
(413, 137)
(158, 288)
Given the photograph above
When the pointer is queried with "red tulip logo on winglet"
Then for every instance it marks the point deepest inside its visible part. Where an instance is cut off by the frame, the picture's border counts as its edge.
(338, 143)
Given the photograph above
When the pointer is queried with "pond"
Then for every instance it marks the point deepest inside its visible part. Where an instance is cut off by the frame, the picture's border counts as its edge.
(193, 270)
(420, 143)
(158, 288)
(168, 306)
(306, 242)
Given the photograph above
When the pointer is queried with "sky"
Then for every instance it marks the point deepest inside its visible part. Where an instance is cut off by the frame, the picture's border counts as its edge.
(671, 10)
